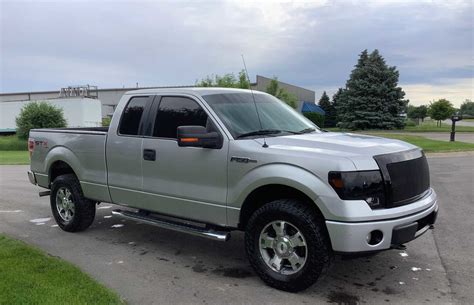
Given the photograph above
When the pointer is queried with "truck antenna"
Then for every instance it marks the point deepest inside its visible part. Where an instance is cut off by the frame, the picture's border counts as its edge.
(254, 101)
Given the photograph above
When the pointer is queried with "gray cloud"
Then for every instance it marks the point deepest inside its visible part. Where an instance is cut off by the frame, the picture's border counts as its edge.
(46, 45)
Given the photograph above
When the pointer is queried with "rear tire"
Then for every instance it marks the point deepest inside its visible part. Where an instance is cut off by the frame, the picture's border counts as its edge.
(287, 245)
(71, 210)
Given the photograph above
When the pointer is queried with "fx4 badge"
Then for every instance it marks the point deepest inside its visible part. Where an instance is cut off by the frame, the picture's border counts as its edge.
(242, 160)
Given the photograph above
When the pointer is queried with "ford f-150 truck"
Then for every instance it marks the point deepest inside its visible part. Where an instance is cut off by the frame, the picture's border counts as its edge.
(208, 161)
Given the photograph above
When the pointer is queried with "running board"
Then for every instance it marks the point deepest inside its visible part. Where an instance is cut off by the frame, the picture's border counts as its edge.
(174, 225)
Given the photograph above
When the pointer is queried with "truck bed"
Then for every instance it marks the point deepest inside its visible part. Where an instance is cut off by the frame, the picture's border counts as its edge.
(83, 149)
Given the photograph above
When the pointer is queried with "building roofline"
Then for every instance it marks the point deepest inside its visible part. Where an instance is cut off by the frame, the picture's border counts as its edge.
(291, 85)
(99, 90)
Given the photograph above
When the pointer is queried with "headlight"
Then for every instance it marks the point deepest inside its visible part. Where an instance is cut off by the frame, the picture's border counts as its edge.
(362, 185)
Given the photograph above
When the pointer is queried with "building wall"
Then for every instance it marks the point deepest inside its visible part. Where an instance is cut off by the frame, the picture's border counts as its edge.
(301, 93)
(109, 98)
(78, 112)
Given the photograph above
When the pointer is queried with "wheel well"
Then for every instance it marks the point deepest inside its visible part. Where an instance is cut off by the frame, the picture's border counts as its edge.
(59, 168)
(268, 193)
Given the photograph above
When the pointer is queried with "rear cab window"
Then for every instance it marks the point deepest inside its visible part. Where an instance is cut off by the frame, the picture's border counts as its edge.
(132, 116)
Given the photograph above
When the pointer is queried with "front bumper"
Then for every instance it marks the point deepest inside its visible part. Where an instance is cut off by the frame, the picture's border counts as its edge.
(352, 237)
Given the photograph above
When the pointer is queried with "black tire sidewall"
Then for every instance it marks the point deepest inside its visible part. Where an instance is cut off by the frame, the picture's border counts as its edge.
(318, 255)
(84, 208)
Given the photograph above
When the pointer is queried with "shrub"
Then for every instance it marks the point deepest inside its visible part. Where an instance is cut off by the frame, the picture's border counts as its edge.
(316, 118)
(106, 121)
(39, 115)
(410, 123)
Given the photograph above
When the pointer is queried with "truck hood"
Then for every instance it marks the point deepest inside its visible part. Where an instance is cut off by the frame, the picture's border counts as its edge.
(360, 149)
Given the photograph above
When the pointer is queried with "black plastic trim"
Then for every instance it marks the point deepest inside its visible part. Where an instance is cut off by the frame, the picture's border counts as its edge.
(383, 161)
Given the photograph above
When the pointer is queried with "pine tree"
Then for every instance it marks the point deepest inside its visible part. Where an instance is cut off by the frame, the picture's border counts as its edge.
(372, 98)
(338, 102)
(330, 113)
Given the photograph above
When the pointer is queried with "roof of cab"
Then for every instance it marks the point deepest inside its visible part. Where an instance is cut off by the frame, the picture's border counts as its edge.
(192, 90)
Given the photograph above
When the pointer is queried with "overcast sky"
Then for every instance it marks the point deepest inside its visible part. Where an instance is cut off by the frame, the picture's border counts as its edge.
(48, 45)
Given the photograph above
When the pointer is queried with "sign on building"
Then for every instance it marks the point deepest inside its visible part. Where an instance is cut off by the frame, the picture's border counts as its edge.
(79, 91)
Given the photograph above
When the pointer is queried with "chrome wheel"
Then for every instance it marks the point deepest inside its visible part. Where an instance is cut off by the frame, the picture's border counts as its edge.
(283, 247)
(65, 204)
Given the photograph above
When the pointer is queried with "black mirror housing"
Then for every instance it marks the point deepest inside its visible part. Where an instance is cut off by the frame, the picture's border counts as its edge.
(198, 136)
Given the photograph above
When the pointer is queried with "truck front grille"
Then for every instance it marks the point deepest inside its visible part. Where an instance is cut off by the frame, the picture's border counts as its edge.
(406, 177)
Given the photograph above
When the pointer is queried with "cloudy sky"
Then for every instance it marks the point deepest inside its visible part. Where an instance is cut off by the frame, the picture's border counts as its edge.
(48, 45)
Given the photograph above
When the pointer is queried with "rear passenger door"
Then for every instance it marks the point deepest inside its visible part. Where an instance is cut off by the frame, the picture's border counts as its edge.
(124, 152)
(188, 182)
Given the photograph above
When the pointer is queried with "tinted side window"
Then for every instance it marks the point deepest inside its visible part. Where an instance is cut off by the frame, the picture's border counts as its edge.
(132, 115)
(177, 111)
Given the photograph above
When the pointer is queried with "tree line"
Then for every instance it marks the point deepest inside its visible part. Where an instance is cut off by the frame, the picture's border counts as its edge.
(371, 98)
(230, 80)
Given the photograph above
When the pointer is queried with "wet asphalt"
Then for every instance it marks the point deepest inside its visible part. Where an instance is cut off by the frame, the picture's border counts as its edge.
(149, 265)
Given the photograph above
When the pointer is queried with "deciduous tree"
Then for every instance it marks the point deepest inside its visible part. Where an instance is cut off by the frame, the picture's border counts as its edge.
(441, 110)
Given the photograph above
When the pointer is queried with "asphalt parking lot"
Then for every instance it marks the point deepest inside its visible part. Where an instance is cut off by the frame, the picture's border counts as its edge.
(148, 265)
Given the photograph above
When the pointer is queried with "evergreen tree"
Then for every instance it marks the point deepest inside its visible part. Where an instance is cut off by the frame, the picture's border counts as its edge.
(330, 113)
(338, 103)
(372, 98)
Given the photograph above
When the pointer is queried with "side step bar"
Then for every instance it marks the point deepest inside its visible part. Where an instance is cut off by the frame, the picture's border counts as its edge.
(174, 225)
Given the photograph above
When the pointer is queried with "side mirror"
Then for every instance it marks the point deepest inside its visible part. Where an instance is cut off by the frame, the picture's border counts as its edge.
(198, 136)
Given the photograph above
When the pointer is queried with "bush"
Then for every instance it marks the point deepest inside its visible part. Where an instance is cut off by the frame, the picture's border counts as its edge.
(316, 118)
(410, 123)
(39, 115)
(106, 121)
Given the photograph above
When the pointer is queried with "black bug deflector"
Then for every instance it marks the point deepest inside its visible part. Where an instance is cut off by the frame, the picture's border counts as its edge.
(406, 176)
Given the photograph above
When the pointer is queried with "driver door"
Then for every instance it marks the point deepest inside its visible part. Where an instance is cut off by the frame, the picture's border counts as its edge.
(188, 182)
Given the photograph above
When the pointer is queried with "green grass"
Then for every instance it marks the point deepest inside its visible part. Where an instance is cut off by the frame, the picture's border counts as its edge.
(429, 145)
(14, 157)
(29, 276)
(427, 126)
(430, 126)
(12, 143)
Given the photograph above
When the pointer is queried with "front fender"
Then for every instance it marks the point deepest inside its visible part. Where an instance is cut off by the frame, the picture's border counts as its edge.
(277, 173)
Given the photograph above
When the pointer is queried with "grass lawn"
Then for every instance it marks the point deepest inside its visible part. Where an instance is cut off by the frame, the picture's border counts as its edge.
(29, 276)
(12, 143)
(430, 126)
(14, 157)
(429, 145)
(427, 126)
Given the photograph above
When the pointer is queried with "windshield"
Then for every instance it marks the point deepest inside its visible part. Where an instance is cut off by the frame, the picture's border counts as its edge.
(237, 111)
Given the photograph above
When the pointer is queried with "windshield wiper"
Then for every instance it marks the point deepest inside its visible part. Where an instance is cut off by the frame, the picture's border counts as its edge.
(307, 130)
(263, 132)
(260, 132)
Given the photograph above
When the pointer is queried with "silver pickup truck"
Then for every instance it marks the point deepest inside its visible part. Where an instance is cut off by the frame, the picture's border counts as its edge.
(208, 161)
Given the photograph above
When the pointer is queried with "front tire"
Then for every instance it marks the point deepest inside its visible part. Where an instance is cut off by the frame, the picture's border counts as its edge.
(287, 245)
(71, 210)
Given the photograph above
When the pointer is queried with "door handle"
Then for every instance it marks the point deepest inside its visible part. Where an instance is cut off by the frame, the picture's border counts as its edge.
(149, 154)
